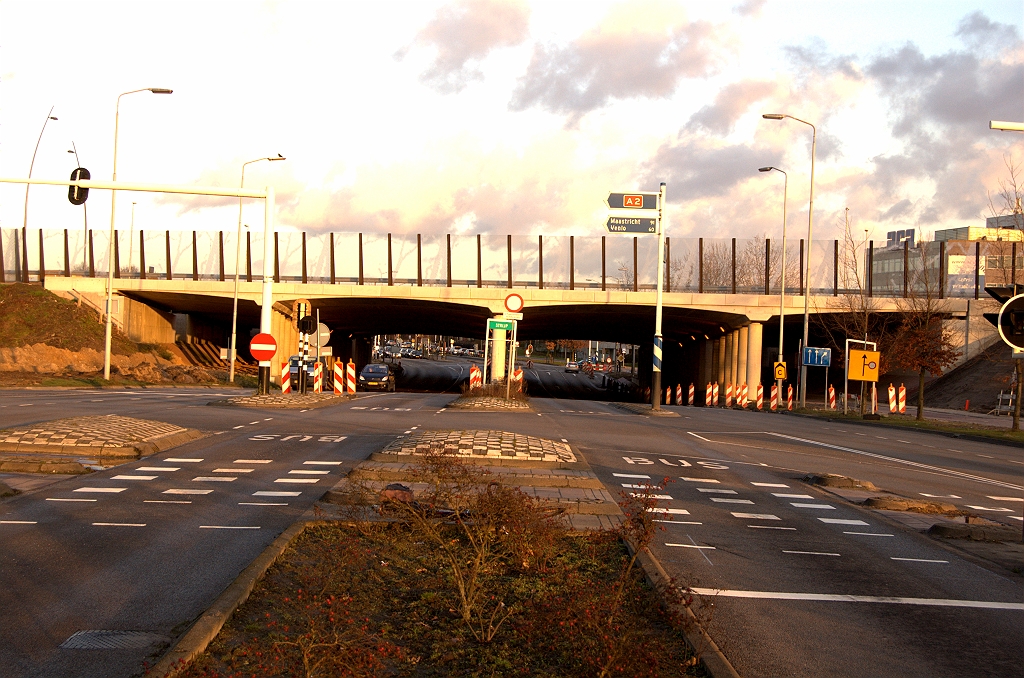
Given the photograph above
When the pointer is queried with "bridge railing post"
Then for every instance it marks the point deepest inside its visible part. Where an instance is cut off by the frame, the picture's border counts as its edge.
(419, 260)
(508, 248)
(603, 259)
(540, 262)
(767, 266)
(700, 265)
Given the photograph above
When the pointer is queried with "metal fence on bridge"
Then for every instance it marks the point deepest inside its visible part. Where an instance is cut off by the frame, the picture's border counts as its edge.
(709, 265)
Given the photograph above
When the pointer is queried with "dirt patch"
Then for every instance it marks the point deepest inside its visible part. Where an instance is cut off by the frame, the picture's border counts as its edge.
(979, 380)
(915, 505)
(833, 480)
(993, 532)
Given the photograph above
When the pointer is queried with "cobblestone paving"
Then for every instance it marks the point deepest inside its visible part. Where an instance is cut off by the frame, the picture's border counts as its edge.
(88, 432)
(281, 401)
(488, 403)
(483, 444)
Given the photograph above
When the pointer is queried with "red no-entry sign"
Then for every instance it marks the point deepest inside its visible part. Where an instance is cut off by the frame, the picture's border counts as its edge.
(263, 347)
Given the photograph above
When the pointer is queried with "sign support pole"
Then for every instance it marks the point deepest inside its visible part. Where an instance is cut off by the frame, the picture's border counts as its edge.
(487, 346)
(656, 373)
(266, 308)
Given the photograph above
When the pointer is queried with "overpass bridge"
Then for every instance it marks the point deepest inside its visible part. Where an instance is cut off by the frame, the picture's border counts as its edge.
(722, 295)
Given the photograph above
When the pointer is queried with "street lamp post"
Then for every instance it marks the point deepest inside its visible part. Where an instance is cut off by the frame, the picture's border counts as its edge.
(85, 213)
(807, 259)
(782, 275)
(110, 248)
(24, 224)
(238, 255)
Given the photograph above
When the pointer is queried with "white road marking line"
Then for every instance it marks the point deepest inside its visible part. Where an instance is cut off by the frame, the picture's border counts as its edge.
(180, 460)
(897, 460)
(120, 524)
(266, 493)
(989, 508)
(841, 598)
(229, 527)
(677, 522)
(564, 440)
(1006, 498)
(252, 461)
(640, 487)
(840, 521)
(55, 499)
(262, 503)
(238, 427)
(357, 408)
(134, 478)
(941, 496)
(669, 511)
(187, 491)
(298, 480)
(309, 473)
(985, 456)
(17, 522)
(1015, 517)
(813, 506)
(757, 516)
(213, 479)
(631, 475)
(769, 485)
(723, 500)
(871, 534)
(782, 495)
(918, 560)
(693, 546)
(408, 431)
(715, 490)
(301, 411)
(811, 553)
(770, 527)
(112, 490)
(268, 419)
(322, 463)
(254, 422)
(699, 480)
(652, 496)
(233, 470)
(30, 404)
(165, 501)
(697, 436)
(158, 468)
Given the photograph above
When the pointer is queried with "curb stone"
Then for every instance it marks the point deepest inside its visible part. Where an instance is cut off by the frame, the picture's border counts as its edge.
(209, 624)
(716, 663)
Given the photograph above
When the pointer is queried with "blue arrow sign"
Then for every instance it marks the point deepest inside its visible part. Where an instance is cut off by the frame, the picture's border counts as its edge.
(817, 357)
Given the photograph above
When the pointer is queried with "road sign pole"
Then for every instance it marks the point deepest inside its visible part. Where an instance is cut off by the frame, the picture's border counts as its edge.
(266, 309)
(487, 345)
(656, 373)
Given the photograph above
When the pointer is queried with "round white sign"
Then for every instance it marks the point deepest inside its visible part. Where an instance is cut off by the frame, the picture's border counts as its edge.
(513, 303)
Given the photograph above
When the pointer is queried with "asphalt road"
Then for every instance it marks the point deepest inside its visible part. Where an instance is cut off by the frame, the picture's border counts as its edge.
(853, 594)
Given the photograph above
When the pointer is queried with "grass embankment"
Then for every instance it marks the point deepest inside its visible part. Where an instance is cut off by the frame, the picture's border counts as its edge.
(471, 579)
(956, 428)
(31, 315)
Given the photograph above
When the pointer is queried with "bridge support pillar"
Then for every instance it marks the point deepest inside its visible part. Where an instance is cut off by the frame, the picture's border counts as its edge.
(741, 362)
(498, 355)
(730, 358)
(720, 356)
(755, 334)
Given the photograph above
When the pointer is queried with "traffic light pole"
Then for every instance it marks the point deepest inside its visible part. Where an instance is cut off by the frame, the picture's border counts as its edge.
(658, 344)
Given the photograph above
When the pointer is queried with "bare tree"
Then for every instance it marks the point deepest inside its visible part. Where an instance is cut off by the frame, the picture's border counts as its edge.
(1007, 202)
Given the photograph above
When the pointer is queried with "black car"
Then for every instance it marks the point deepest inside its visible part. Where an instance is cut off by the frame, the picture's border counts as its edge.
(377, 377)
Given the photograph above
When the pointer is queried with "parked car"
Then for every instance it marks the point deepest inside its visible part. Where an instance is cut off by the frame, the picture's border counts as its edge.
(377, 377)
(572, 367)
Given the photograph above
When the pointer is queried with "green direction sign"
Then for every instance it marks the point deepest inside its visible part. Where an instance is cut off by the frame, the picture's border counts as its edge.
(495, 324)
(631, 225)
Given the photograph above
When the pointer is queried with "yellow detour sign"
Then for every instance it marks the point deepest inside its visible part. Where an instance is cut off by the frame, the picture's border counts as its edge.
(863, 365)
(780, 370)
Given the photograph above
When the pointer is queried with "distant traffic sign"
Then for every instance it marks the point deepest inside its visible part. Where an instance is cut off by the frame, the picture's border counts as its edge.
(817, 357)
(1010, 322)
(514, 303)
(780, 370)
(863, 365)
(631, 225)
(263, 347)
(633, 201)
(323, 334)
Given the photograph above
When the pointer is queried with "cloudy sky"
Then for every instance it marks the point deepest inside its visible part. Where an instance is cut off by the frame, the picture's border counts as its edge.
(491, 116)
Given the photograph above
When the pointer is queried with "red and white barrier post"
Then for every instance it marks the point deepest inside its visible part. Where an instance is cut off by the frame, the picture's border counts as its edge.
(728, 395)
(903, 399)
(707, 395)
(760, 397)
(679, 394)
(789, 397)
(831, 398)
(350, 377)
(714, 394)
(286, 378)
(893, 406)
(774, 403)
(475, 378)
(339, 378)
(690, 401)
(744, 399)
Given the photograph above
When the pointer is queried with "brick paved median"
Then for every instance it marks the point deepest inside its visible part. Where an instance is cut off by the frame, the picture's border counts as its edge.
(283, 401)
(489, 403)
(492, 445)
(104, 436)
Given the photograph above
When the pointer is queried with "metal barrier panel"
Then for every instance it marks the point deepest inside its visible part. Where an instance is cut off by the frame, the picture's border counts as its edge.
(463, 260)
(587, 262)
(494, 258)
(289, 255)
(525, 263)
(619, 262)
(556, 262)
(403, 259)
(318, 257)
(683, 265)
(434, 253)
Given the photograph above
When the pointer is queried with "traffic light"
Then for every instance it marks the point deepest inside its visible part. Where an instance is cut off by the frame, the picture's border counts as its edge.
(77, 195)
